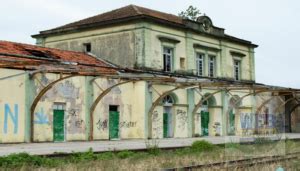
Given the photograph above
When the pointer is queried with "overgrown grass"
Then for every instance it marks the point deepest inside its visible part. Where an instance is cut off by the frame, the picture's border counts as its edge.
(152, 158)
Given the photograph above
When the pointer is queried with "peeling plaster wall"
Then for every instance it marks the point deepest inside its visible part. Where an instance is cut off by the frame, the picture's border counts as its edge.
(69, 92)
(215, 114)
(113, 44)
(12, 106)
(130, 98)
(179, 113)
(184, 49)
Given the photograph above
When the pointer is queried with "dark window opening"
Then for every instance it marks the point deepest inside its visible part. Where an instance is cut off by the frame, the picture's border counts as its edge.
(88, 47)
(267, 116)
(168, 56)
(113, 108)
(237, 70)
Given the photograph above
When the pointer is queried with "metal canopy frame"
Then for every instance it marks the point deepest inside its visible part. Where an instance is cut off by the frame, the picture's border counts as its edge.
(219, 86)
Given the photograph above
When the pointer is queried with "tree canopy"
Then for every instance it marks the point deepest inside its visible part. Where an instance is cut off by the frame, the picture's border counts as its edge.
(191, 13)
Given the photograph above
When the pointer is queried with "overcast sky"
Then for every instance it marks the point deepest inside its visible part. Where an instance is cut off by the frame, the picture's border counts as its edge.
(272, 24)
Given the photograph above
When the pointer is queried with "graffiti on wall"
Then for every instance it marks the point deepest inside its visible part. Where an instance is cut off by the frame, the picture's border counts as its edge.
(76, 124)
(12, 116)
(127, 124)
(102, 125)
(247, 120)
(217, 127)
(41, 117)
(182, 118)
(157, 128)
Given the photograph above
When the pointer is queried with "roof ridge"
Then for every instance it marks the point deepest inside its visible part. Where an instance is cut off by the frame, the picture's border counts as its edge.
(136, 8)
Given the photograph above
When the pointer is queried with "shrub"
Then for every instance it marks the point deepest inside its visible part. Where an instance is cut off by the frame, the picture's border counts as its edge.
(199, 146)
(125, 154)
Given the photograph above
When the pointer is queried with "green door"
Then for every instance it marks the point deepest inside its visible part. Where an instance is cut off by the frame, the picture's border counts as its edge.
(113, 125)
(165, 125)
(231, 123)
(58, 126)
(204, 123)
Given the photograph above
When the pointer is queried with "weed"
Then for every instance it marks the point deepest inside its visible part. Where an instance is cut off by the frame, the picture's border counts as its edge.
(199, 146)
(152, 147)
(125, 154)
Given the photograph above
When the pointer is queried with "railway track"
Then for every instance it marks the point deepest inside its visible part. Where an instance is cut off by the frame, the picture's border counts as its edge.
(240, 163)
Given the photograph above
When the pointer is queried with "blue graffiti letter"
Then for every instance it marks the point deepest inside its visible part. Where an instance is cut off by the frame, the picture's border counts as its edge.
(14, 118)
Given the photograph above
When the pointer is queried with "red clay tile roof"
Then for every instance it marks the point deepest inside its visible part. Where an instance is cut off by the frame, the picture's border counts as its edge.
(121, 13)
(18, 55)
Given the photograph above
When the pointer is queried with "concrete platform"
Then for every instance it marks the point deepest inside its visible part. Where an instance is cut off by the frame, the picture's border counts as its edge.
(101, 146)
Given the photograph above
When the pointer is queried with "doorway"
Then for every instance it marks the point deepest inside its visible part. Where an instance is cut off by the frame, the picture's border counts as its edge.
(167, 122)
(58, 125)
(204, 123)
(59, 122)
(114, 118)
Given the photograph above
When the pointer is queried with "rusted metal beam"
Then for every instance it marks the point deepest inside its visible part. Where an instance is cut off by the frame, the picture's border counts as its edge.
(37, 99)
(258, 110)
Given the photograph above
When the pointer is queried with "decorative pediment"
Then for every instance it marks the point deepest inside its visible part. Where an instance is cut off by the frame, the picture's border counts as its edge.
(237, 54)
(168, 39)
(197, 45)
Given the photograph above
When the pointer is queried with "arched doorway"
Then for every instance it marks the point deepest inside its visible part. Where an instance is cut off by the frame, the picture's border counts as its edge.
(168, 128)
(294, 119)
(205, 114)
(233, 105)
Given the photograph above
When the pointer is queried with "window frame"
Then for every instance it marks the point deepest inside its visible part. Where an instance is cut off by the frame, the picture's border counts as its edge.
(198, 54)
(239, 74)
(86, 45)
(171, 55)
(214, 66)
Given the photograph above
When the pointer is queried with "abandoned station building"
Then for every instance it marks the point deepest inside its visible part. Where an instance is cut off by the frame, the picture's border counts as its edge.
(134, 73)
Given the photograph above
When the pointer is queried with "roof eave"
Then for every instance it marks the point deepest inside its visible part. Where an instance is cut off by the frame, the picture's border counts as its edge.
(138, 17)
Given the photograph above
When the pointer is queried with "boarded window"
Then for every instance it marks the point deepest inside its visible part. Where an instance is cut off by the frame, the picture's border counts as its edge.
(182, 63)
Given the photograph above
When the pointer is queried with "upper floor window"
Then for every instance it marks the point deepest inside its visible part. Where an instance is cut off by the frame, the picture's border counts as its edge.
(200, 64)
(237, 69)
(87, 47)
(211, 65)
(168, 57)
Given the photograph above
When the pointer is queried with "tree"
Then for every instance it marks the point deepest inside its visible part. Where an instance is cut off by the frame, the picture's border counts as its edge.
(191, 13)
